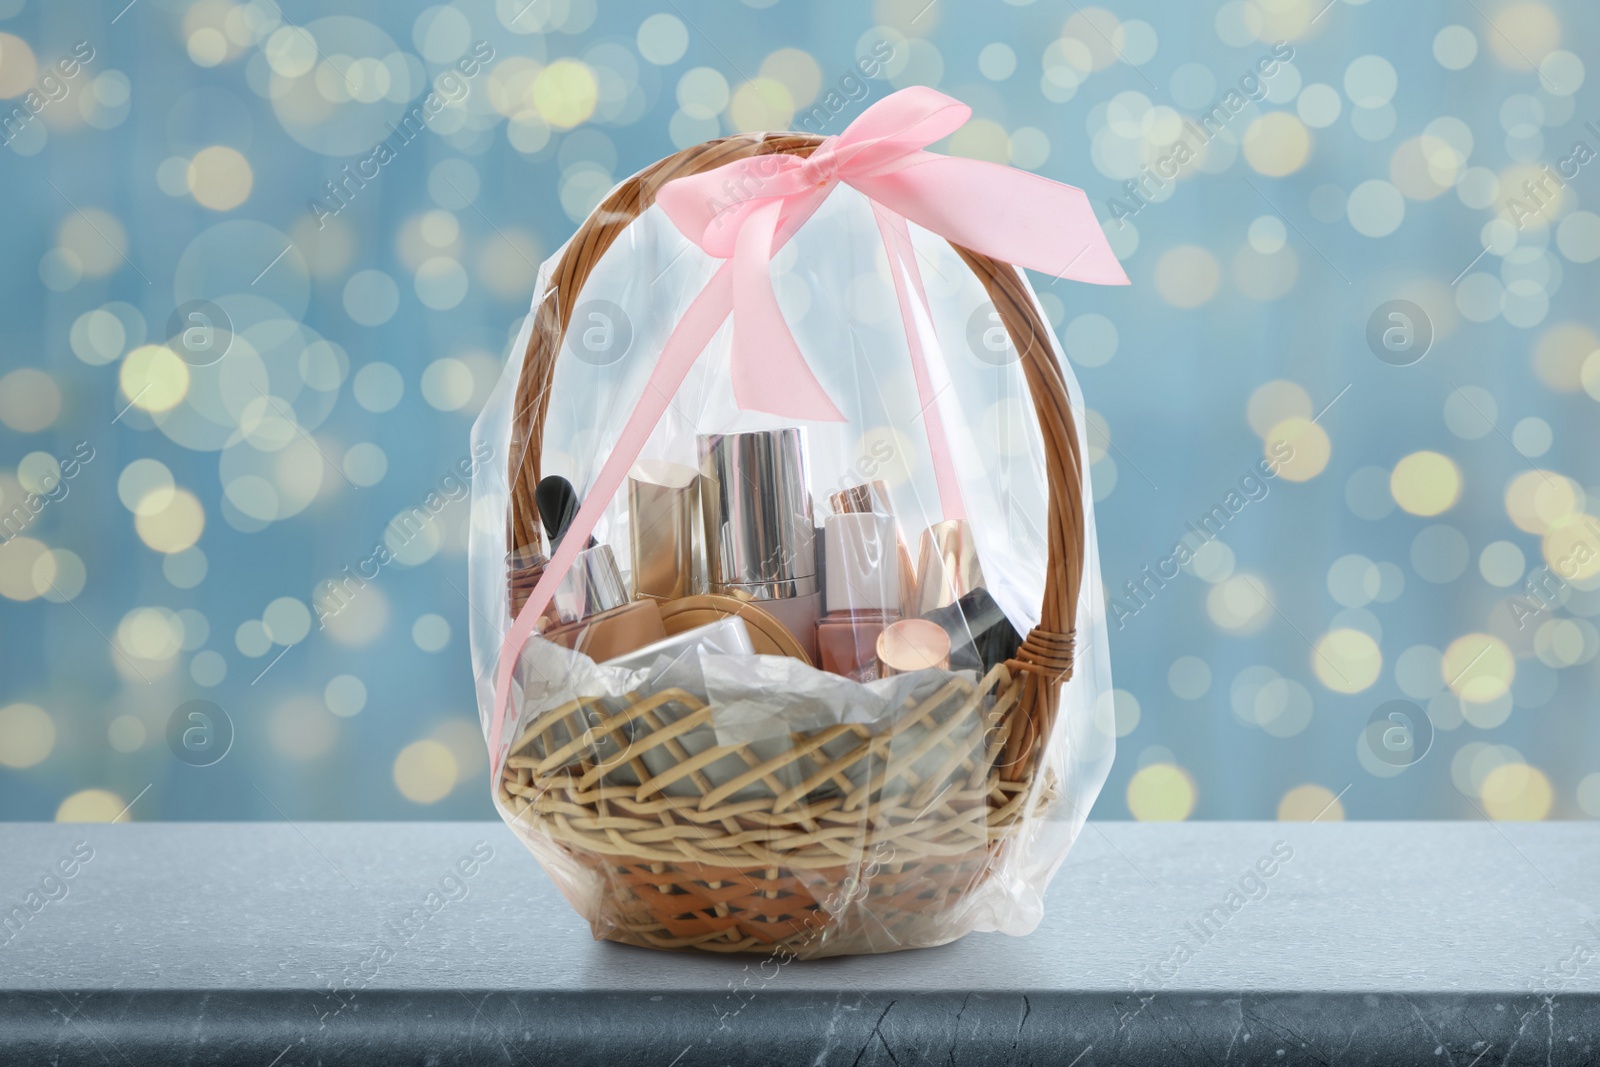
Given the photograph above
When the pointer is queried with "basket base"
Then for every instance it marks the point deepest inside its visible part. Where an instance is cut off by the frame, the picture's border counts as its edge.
(870, 841)
(783, 913)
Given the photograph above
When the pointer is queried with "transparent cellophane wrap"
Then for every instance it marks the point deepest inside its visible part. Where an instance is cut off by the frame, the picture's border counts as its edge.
(870, 831)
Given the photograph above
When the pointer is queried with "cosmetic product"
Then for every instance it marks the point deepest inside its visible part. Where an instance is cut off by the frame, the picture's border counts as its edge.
(726, 636)
(674, 664)
(947, 565)
(874, 497)
(663, 522)
(769, 636)
(980, 634)
(557, 502)
(912, 645)
(862, 593)
(593, 613)
(760, 541)
(819, 543)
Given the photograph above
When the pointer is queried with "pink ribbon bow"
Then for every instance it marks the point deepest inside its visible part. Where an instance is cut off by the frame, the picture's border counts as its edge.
(745, 211)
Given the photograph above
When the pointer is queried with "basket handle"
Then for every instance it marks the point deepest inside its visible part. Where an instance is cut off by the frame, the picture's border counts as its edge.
(1046, 655)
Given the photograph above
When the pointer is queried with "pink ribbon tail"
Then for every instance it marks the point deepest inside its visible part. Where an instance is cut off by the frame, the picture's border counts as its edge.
(903, 268)
(705, 315)
(769, 372)
(1010, 215)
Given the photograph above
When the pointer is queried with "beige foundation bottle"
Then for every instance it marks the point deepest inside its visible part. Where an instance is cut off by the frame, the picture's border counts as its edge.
(862, 592)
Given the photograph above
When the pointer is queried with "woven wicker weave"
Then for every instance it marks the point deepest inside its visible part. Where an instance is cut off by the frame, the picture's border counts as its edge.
(845, 840)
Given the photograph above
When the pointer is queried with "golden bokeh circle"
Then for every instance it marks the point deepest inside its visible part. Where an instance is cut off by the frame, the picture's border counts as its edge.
(91, 805)
(1300, 447)
(220, 178)
(1161, 792)
(1478, 667)
(1347, 661)
(1537, 500)
(1426, 483)
(1277, 144)
(1305, 803)
(1517, 792)
(425, 772)
(154, 378)
(174, 527)
(565, 93)
(27, 735)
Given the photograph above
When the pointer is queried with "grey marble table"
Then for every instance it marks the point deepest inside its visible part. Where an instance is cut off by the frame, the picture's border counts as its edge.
(279, 945)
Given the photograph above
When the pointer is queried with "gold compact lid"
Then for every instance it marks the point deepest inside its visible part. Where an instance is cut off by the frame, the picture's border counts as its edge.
(767, 634)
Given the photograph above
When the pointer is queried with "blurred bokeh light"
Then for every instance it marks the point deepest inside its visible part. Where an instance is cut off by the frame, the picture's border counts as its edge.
(260, 285)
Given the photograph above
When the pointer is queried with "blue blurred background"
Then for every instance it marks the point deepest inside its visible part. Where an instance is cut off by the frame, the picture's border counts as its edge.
(1370, 254)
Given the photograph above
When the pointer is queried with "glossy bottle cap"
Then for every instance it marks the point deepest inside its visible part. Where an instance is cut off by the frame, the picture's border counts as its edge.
(947, 566)
(592, 586)
(868, 496)
(912, 645)
(663, 513)
(863, 571)
(760, 541)
(557, 502)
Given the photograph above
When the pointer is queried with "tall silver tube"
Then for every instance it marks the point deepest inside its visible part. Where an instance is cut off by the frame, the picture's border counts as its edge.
(760, 540)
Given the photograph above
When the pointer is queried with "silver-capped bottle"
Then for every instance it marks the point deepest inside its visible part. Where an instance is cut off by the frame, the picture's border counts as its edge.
(760, 538)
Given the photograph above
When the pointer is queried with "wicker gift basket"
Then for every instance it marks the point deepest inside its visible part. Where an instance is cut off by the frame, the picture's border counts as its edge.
(846, 837)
